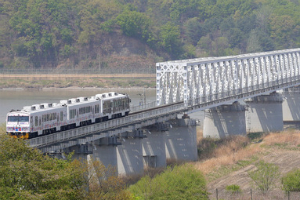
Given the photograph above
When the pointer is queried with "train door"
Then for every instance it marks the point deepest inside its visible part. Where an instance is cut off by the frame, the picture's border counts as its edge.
(40, 125)
(43, 124)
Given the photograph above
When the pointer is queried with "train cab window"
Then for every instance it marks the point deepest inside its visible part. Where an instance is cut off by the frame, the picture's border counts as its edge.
(61, 115)
(36, 121)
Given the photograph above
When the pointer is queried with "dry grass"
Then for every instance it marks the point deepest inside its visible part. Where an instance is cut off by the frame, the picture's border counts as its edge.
(214, 154)
(199, 132)
(229, 151)
(288, 137)
(2, 128)
(212, 148)
(225, 157)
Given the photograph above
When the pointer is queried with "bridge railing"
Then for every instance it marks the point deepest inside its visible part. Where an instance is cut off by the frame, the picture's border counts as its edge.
(143, 106)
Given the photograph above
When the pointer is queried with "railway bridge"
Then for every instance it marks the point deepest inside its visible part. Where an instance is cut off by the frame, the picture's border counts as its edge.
(162, 129)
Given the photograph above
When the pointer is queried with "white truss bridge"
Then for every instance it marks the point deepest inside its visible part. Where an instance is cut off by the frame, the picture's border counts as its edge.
(185, 86)
(203, 80)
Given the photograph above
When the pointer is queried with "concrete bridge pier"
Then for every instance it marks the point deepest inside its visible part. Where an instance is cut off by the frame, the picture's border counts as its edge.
(154, 152)
(264, 113)
(130, 154)
(224, 121)
(291, 106)
(123, 152)
(181, 140)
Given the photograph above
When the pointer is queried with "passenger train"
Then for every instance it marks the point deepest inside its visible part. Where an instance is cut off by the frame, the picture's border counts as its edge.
(46, 118)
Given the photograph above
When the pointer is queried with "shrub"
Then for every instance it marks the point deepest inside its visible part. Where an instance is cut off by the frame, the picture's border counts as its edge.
(180, 182)
(265, 176)
(233, 188)
(291, 181)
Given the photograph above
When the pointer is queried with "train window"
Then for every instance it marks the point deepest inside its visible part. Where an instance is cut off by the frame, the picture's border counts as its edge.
(97, 110)
(47, 117)
(36, 121)
(18, 119)
(72, 113)
(61, 115)
(40, 122)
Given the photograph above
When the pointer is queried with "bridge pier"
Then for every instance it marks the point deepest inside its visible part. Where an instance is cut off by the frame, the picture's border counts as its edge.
(130, 156)
(264, 113)
(126, 155)
(224, 121)
(181, 140)
(154, 153)
(291, 106)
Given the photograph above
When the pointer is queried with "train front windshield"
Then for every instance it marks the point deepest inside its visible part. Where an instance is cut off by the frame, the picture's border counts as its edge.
(18, 119)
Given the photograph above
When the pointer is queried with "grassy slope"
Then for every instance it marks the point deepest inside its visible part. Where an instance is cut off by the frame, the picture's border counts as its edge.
(230, 162)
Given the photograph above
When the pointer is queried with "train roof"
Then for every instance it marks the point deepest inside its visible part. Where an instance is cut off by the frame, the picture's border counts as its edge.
(43, 107)
(70, 102)
(109, 95)
(77, 101)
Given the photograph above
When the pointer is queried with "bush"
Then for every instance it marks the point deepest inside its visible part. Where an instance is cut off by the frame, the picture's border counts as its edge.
(265, 176)
(233, 188)
(180, 182)
(291, 181)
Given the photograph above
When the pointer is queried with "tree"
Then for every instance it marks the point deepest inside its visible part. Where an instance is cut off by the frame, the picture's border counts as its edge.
(193, 30)
(102, 182)
(169, 38)
(282, 29)
(135, 24)
(253, 42)
(25, 173)
(265, 175)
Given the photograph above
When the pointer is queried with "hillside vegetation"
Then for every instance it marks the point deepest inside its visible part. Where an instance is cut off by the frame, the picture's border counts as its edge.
(138, 33)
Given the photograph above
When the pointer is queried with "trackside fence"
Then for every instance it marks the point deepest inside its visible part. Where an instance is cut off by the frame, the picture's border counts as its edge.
(252, 194)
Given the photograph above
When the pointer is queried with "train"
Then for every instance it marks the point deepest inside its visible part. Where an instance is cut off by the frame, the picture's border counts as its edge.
(47, 118)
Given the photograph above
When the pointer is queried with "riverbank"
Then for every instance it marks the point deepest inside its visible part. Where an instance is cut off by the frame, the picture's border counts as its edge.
(38, 81)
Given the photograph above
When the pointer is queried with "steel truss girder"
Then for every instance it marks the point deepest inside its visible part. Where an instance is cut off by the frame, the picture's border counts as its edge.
(207, 79)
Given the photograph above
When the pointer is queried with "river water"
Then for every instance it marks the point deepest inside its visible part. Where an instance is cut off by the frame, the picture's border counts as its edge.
(18, 98)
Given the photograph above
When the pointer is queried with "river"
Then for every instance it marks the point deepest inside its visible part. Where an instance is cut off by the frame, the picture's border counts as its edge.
(18, 98)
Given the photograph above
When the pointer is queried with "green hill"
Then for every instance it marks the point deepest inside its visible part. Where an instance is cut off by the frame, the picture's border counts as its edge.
(138, 33)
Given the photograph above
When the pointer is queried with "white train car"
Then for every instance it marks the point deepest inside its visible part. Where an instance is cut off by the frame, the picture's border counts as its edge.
(35, 120)
(114, 105)
(42, 119)
(80, 111)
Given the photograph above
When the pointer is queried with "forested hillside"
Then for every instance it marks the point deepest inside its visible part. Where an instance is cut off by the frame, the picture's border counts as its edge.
(138, 33)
